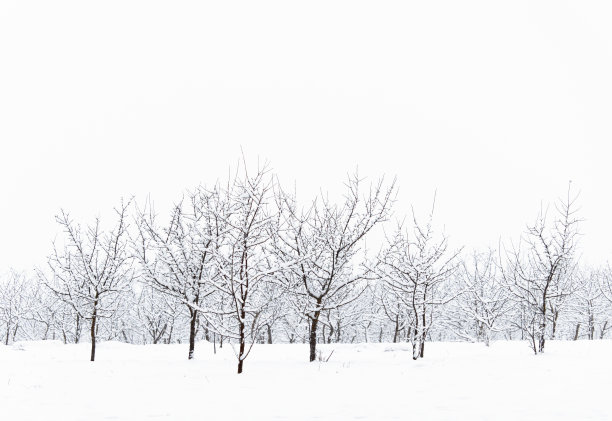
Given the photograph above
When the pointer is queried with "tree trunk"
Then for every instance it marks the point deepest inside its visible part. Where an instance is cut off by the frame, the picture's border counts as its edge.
(423, 334)
(15, 332)
(192, 331)
(313, 335)
(603, 330)
(242, 341)
(365, 332)
(554, 324)
(397, 330)
(94, 317)
(169, 339)
(331, 333)
(269, 334)
(542, 332)
(77, 331)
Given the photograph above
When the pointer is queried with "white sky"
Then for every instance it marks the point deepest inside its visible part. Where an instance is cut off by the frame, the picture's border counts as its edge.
(494, 104)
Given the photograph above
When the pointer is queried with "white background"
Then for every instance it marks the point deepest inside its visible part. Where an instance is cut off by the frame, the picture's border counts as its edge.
(497, 105)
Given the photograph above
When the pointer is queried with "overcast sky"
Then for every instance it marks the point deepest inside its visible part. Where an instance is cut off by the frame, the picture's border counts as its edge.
(497, 105)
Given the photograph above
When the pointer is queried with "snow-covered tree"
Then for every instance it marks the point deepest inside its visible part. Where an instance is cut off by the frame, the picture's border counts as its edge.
(587, 305)
(15, 304)
(326, 240)
(179, 259)
(244, 262)
(538, 273)
(482, 306)
(412, 268)
(156, 315)
(92, 270)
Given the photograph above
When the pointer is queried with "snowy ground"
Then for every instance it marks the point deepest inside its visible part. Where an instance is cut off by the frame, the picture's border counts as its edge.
(456, 381)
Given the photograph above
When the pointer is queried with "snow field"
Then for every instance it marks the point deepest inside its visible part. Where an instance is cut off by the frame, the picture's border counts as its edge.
(455, 381)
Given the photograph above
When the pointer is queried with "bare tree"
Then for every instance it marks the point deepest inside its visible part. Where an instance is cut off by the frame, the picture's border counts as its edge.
(92, 270)
(178, 259)
(412, 268)
(244, 263)
(325, 240)
(54, 319)
(482, 306)
(156, 314)
(539, 277)
(14, 304)
(393, 310)
(604, 277)
(588, 305)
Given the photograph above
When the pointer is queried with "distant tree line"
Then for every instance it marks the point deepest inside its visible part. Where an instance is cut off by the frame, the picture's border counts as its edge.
(243, 262)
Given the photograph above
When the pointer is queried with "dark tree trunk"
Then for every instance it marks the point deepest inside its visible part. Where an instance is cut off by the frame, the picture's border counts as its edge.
(542, 332)
(313, 335)
(554, 324)
(269, 334)
(396, 331)
(192, 331)
(423, 334)
(541, 343)
(577, 332)
(158, 334)
(17, 328)
(242, 341)
(602, 333)
(94, 318)
(77, 331)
